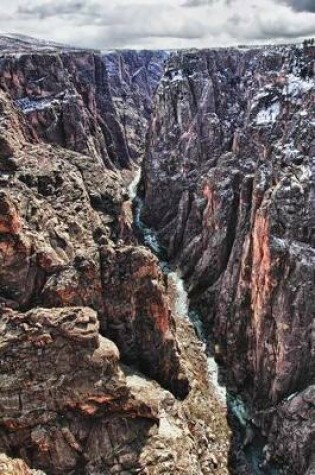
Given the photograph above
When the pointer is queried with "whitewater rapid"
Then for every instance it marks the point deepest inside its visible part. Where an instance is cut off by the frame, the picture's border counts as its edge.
(254, 450)
(180, 300)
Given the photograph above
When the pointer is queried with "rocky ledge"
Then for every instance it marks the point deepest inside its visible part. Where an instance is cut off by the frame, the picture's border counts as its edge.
(69, 406)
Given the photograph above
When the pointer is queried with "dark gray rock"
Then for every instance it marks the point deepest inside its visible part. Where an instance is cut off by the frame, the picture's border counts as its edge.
(231, 150)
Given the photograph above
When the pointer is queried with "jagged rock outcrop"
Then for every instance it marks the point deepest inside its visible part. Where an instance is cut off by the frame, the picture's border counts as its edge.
(61, 217)
(137, 316)
(87, 102)
(69, 406)
(83, 307)
(16, 467)
(64, 96)
(292, 432)
(231, 150)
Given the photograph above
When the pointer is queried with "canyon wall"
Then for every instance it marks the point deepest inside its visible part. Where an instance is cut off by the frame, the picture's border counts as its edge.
(133, 78)
(231, 150)
(69, 99)
(97, 374)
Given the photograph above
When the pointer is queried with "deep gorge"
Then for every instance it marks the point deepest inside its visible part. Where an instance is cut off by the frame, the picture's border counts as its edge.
(249, 440)
(100, 371)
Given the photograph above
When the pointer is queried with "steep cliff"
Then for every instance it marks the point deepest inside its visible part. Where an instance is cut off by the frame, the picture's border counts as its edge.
(100, 371)
(84, 101)
(133, 78)
(98, 375)
(231, 150)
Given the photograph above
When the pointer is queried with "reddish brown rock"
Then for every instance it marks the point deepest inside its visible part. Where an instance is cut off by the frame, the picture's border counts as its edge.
(231, 151)
(10, 222)
(68, 405)
(15, 467)
(138, 317)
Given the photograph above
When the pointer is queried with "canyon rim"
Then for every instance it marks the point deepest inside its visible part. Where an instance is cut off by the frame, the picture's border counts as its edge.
(157, 260)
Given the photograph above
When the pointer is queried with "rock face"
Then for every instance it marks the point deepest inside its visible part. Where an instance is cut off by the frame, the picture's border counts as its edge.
(77, 404)
(294, 424)
(133, 78)
(83, 307)
(99, 374)
(138, 317)
(69, 406)
(16, 467)
(90, 103)
(231, 150)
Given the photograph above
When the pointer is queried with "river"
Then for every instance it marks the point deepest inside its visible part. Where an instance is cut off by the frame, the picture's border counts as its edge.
(254, 450)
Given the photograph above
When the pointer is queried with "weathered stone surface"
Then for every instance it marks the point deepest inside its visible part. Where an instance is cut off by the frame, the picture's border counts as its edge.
(138, 317)
(231, 150)
(15, 467)
(70, 207)
(63, 372)
(68, 259)
(133, 78)
(68, 405)
(292, 432)
(49, 227)
(70, 99)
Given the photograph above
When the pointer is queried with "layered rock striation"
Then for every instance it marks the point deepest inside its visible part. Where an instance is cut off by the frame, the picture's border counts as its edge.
(231, 150)
(98, 375)
(133, 78)
(70, 100)
(69, 406)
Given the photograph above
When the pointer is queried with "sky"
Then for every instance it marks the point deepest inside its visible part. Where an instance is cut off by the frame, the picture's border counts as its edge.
(165, 24)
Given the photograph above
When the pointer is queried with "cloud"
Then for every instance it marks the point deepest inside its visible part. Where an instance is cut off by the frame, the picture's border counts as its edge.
(197, 3)
(203, 3)
(297, 5)
(302, 5)
(160, 24)
(132, 21)
(262, 22)
(54, 9)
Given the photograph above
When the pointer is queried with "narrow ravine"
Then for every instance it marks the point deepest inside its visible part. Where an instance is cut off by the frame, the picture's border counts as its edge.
(250, 435)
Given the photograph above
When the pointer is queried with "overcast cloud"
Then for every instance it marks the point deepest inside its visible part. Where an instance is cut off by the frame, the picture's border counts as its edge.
(303, 5)
(160, 24)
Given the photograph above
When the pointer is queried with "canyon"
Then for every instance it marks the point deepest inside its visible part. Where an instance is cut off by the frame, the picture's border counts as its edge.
(157, 218)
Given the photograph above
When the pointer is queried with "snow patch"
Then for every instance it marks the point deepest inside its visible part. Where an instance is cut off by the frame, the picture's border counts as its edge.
(305, 174)
(176, 76)
(27, 105)
(290, 152)
(296, 86)
(268, 115)
(260, 95)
